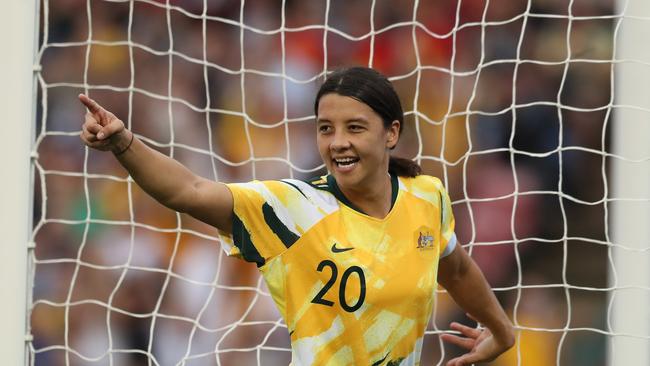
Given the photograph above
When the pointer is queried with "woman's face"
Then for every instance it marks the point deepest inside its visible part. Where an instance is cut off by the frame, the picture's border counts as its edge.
(352, 140)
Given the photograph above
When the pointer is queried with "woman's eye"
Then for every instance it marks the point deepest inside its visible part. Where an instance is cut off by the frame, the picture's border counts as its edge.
(355, 128)
(324, 129)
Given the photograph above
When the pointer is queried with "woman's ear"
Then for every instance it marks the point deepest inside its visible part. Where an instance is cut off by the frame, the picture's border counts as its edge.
(393, 134)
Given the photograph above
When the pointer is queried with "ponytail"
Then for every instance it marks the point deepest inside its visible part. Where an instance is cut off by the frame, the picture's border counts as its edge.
(403, 167)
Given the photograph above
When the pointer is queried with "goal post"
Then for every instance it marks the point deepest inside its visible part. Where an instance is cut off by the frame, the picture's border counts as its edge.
(630, 275)
(18, 29)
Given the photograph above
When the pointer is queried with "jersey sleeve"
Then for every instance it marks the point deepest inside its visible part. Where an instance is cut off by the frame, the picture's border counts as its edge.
(447, 235)
(262, 227)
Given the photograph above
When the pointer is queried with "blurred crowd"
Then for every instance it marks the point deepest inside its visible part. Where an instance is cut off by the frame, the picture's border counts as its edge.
(496, 103)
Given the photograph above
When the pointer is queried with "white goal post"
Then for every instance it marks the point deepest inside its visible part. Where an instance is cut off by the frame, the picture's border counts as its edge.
(630, 221)
(18, 29)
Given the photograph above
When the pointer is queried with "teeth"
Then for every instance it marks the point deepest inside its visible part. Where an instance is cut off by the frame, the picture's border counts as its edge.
(346, 161)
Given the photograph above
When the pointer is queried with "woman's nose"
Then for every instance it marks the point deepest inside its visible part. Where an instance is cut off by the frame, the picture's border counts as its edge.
(340, 141)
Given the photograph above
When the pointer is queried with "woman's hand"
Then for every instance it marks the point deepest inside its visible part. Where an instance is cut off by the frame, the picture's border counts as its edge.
(480, 343)
(102, 130)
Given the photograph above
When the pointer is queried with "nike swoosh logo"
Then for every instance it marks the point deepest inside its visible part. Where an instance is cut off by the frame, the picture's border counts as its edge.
(339, 250)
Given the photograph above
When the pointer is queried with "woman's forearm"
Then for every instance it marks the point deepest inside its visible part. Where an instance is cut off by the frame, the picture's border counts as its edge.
(163, 178)
(467, 286)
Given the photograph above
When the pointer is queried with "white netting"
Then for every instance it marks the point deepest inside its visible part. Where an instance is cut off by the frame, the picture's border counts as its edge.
(509, 102)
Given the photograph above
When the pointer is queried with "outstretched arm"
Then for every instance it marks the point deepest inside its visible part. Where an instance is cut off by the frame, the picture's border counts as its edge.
(463, 279)
(162, 177)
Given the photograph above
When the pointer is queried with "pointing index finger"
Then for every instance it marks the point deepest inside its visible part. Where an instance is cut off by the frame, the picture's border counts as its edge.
(93, 107)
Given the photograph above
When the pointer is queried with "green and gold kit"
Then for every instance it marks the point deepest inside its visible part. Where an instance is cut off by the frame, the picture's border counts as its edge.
(353, 289)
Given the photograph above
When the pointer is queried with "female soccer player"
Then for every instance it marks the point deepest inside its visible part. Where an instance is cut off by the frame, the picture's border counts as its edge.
(352, 259)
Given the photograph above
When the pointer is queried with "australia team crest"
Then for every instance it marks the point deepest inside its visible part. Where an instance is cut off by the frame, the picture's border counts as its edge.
(425, 239)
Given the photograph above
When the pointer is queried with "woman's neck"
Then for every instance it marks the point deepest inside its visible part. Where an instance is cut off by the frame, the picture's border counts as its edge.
(373, 198)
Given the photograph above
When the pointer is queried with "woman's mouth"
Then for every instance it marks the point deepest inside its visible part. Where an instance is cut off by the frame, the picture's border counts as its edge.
(345, 164)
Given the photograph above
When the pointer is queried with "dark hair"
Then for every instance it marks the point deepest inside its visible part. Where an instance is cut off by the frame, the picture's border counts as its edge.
(373, 89)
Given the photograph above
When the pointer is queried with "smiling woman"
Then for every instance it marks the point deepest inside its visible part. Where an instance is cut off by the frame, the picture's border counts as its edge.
(352, 259)
(354, 145)
(359, 120)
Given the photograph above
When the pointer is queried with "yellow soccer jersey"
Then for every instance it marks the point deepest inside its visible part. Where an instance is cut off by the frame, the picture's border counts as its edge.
(353, 289)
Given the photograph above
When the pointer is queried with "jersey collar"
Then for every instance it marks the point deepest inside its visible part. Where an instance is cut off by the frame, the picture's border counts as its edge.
(336, 191)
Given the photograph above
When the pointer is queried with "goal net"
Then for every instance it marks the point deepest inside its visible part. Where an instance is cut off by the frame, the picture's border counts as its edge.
(512, 104)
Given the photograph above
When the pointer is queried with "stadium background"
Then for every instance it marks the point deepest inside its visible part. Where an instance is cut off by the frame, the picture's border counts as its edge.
(455, 117)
